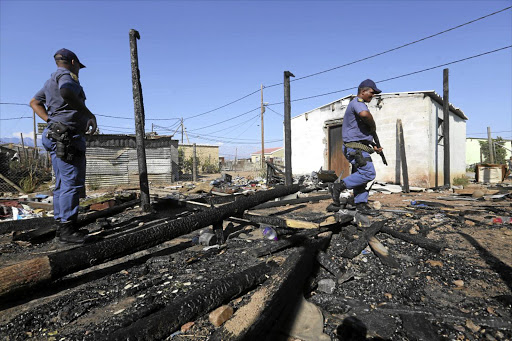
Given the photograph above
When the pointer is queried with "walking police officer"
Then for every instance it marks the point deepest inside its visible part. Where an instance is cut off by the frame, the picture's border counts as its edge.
(61, 103)
(357, 132)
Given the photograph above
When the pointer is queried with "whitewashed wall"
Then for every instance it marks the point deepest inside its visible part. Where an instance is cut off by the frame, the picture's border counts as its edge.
(417, 112)
(309, 137)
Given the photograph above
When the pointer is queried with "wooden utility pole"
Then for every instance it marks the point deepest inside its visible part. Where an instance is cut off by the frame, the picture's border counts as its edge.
(139, 122)
(194, 163)
(25, 154)
(491, 145)
(262, 131)
(35, 131)
(287, 129)
(182, 130)
(446, 128)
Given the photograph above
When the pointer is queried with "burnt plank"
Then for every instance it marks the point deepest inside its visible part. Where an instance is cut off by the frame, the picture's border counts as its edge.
(68, 261)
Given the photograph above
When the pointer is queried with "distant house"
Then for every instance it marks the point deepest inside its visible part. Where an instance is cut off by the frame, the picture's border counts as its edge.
(474, 154)
(276, 154)
(317, 141)
(205, 153)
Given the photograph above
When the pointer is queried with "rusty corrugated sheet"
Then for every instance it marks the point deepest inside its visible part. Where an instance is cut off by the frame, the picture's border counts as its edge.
(112, 160)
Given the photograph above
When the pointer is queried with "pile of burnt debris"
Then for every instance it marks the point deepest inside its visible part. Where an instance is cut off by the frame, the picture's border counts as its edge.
(267, 264)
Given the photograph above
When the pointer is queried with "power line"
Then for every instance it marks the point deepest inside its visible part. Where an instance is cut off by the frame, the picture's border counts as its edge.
(396, 48)
(401, 76)
(14, 118)
(16, 104)
(223, 106)
(211, 125)
(230, 141)
(236, 137)
(494, 132)
(280, 115)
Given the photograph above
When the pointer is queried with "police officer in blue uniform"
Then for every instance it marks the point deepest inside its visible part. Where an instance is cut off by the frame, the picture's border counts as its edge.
(357, 133)
(61, 103)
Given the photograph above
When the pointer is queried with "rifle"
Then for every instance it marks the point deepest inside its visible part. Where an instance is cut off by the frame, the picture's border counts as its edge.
(377, 144)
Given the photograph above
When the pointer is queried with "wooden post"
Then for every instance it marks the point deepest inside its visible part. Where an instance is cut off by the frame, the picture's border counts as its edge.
(446, 128)
(287, 129)
(491, 145)
(139, 122)
(182, 130)
(262, 132)
(25, 154)
(35, 131)
(403, 159)
(194, 163)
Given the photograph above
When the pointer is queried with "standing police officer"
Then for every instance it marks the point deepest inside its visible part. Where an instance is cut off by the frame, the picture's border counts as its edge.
(61, 103)
(357, 133)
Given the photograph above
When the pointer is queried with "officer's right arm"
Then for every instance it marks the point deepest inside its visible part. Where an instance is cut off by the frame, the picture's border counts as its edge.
(37, 105)
(367, 118)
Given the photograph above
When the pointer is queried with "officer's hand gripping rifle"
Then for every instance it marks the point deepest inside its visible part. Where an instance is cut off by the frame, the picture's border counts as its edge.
(377, 144)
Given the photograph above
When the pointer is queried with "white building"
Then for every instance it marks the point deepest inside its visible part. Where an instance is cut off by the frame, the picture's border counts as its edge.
(317, 142)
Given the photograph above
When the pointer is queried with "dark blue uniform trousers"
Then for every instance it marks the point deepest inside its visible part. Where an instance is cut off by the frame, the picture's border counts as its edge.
(69, 179)
(360, 176)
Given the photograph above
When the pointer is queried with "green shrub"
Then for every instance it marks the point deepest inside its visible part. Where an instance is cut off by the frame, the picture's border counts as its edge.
(461, 181)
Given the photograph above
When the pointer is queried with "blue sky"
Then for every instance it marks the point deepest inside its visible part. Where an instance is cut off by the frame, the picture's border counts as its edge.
(195, 56)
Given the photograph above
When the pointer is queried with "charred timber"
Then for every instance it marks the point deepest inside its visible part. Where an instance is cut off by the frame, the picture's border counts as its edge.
(296, 239)
(292, 201)
(414, 239)
(26, 274)
(256, 319)
(48, 230)
(354, 248)
(164, 322)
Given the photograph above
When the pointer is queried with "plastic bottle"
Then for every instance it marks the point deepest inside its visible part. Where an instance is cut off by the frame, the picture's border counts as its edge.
(268, 232)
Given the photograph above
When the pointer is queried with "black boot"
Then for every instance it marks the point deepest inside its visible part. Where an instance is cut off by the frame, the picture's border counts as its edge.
(56, 224)
(364, 208)
(335, 189)
(69, 233)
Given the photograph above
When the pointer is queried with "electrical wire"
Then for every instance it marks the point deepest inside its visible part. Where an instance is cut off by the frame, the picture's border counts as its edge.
(223, 106)
(280, 115)
(14, 118)
(401, 76)
(214, 124)
(395, 48)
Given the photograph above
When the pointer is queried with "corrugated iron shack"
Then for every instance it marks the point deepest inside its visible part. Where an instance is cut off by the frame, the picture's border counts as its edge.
(112, 160)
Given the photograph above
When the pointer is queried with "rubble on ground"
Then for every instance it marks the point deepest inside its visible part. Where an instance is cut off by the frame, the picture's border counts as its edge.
(430, 264)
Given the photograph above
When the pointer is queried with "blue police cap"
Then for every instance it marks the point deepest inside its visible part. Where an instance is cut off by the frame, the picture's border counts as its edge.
(67, 55)
(368, 83)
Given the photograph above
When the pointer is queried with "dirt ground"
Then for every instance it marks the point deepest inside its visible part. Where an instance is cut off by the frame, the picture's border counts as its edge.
(463, 292)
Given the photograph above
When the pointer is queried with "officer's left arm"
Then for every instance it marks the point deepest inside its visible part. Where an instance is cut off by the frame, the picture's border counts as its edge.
(72, 99)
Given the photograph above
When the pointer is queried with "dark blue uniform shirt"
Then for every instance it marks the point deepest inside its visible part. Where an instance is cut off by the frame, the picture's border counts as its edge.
(58, 109)
(354, 129)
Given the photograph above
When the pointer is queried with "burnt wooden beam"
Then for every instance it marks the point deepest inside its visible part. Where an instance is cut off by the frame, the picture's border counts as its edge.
(276, 246)
(355, 247)
(26, 274)
(48, 231)
(164, 322)
(316, 198)
(254, 320)
(24, 224)
(383, 253)
(287, 222)
(425, 243)
(325, 261)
